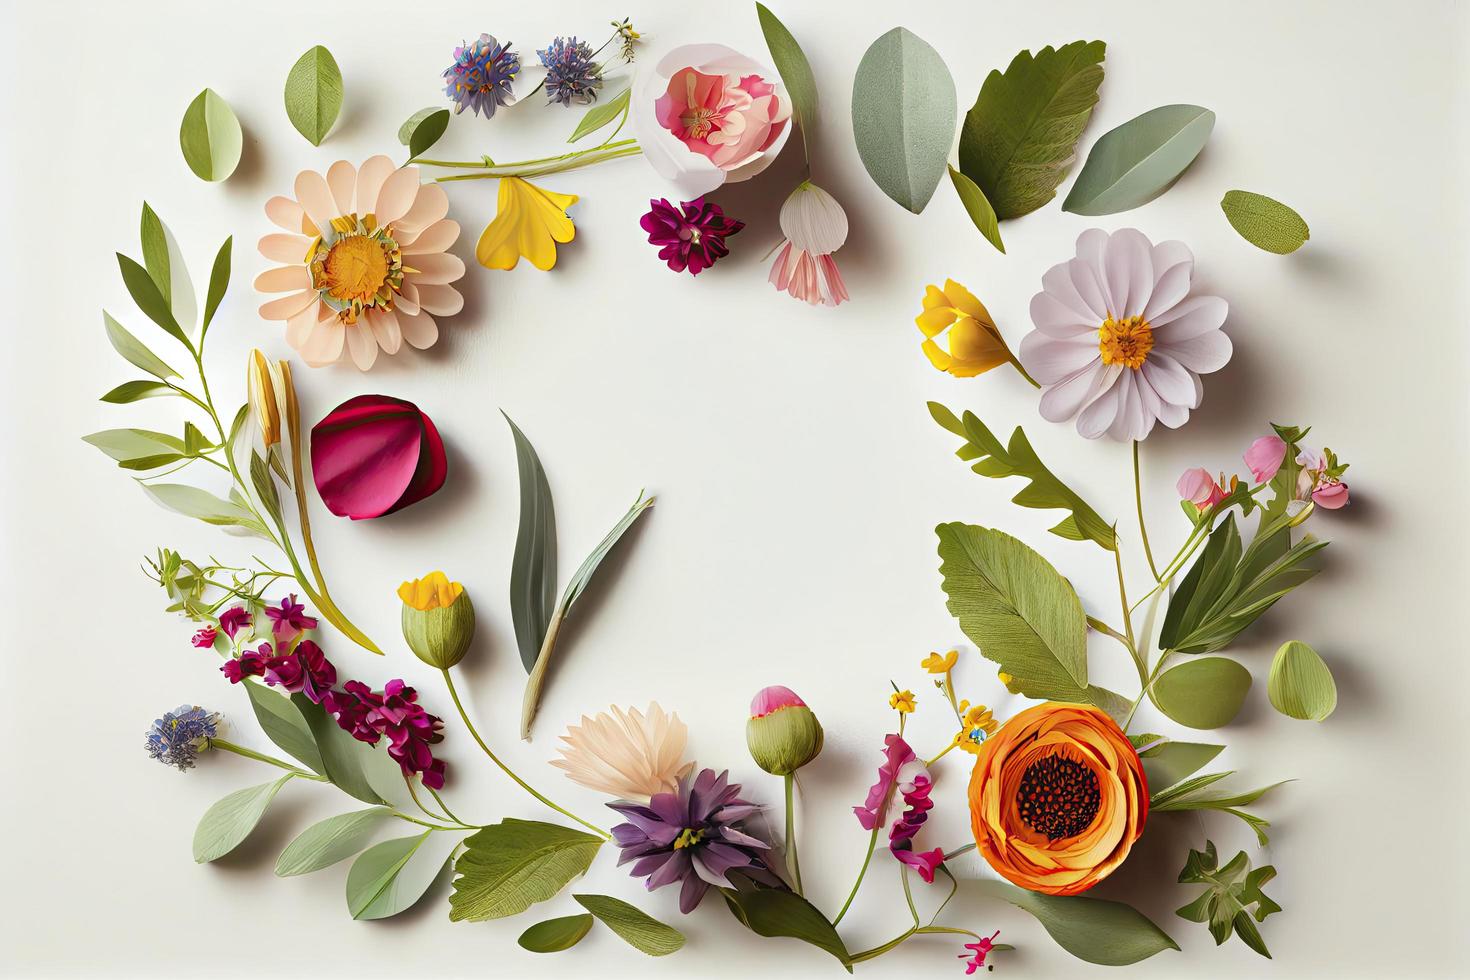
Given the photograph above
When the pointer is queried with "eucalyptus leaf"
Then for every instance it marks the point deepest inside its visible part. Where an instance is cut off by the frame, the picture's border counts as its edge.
(533, 565)
(226, 824)
(555, 935)
(1091, 929)
(134, 350)
(219, 281)
(131, 391)
(199, 504)
(637, 928)
(155, 253)
(210, 137)
(1265, 222)
(1301, 685)
(509, 866)
(903, 116)
(795, 71)
(1136, 162)
(778, 913)
(148, 299)
(284, 725)
(977, 206)
(328, 841)
(1203, 693)
(341, 753)
(314, 94)
(390, 877)
(1020, 138)
(600, 115)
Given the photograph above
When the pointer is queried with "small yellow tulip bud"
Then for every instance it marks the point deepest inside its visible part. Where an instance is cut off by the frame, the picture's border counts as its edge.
(438, 619)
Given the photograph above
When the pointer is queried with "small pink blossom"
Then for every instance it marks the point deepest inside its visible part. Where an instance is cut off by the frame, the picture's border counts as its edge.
(1265, 456)
(1330, 493)
(1199, 488)
(205, 637)
(233, 620)
(769, 699)
(1316, 482)
(978, 952)
(896, 754)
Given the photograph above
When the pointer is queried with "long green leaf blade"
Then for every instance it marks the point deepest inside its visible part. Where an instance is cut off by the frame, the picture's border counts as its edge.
(155, 253)
(533, 565)
(148, 299)
(634, 926)
(134, 351)
(795, 71)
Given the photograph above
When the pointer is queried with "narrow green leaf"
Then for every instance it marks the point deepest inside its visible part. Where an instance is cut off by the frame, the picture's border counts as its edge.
(509, 866)
(155, 254)
(978, 208)
(1020, 137)
(390, 877)
(128, 444)
(1265, 222)
(131, 391)
(777, 913)
(148, 299)
(134, 350)
(600, 115)
(427, 132)
(199, 504)
(638, 929)
(219, 281)
(314, 94)
(555, 935)
(1203, 693)
(1091, 929)
(331, 840)
(1136, 162)
(533, 565)
(903, 116)
(226, 824)
(1167, 763)
(283, 724)
(340, 751)
(795, 71)
(1300, 685)
(210, 137)
(265, 486)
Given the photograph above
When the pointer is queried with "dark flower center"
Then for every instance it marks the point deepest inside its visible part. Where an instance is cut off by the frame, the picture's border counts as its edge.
(1058, 797)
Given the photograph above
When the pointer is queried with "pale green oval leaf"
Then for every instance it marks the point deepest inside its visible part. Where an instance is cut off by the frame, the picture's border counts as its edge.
(385, 775)
(978, 208)
(1265, 222)
(903, 116)
(600, 115)
(210, 137)
(794, 69)
(1136, 162)
(1168, 762)
(134, 350)
(638, 929)
(390, 877)
(426, 132)
(126, 444)
(219, 281)
(555, 935)
(155, 253)
(146, 295)
(199, 504)
(314, 94)
(533, 564)
(1020, 137)
(342, 755)
(283, 724)
(1203, 693)
(231, 820)
(331, 840)
(131, 391)
(1300, 685)
(509, 866)
(1091, 929)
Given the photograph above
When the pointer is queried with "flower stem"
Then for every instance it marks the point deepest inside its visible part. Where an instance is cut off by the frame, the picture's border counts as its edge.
(483, 165)
(867, 858)
(793, 863)
(1142, 527)
(470, 726)
(1128, 621)
(583, 158)
(228, 746)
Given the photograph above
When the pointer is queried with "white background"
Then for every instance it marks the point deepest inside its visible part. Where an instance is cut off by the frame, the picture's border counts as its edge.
(798, 475)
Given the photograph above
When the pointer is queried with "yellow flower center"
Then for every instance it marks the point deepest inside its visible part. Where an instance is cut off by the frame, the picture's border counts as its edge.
(355, 269)
(688, 838)
(1126, 342)
(699, 120)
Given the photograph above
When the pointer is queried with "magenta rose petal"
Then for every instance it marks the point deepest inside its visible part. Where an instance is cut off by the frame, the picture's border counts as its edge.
(432, 469)
(375, 454)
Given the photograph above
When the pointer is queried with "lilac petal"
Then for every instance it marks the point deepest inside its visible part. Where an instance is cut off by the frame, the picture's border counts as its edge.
(626, 835)
(1054, 318)
(735, 813)
(1130, 270)
(1173, 272)
(1099, 416)
(675, 868)
(1131, 423)
(1057, 283)
(1085, 280)
(742, 839)
(1072, 394)
(1201, 355)
(1049, 360)
(691, 894)
(1192, 317)
(646, 866)
(1168, 377)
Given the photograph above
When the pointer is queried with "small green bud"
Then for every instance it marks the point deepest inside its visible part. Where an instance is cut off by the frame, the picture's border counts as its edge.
(438, 620)
(783, 734)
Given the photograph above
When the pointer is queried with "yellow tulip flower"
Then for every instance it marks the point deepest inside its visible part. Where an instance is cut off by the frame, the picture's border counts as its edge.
(975, 345)
(530, 222)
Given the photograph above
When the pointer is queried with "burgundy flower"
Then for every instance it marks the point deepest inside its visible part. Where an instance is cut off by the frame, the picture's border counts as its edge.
(288, 621)
(914, 783)
(373, 455)
(354, 708)
(250, 663)
(305, 670)
(204, 639)
(233, 620)
(691, 235)
(410, 731)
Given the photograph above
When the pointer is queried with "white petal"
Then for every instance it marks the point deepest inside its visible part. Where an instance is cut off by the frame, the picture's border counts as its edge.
(419, 329)
(1170, 289)
(1055, 319)
(1192, 317)
(1058, 283)
(1173, 415)
(692, 173)
(361, 345)
(1089, 287)
(1049, 360)
(1132, 421)
(1130, 270)
(1092, 244)
(1203, 354)
(813, 220)
(1169, 379)
(1098, 417)
(1069, 396)
(762, 160)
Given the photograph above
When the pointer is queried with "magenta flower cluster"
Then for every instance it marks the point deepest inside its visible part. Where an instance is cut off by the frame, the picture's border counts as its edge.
(690, 236)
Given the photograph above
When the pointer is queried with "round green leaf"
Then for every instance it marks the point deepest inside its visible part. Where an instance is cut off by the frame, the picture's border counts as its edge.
(1265, 222)
(555, 935)
(314, 94)
(1301, 686)
(1136, 162)
(427, 132)
(210, 137)
(903, 116)
(638, 929)
(1202, 693)
(231, 820)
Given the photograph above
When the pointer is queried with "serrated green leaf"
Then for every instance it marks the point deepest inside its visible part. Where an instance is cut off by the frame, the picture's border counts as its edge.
(636, 928)
(555, 935)
(226, 824)
(777, 913)
(155, 253)
(1091, 929)
(533, 565)
(1136, 162)
(509, 866)
(903, 116)
(219, 282)
(314, 94)
(328, 841)
(795, 71)
(1301, 685)
(148, 299)
(134, 351)
(1019, 139)
(210, 137)
(284, 725)
(600, 115)
(1203, 693)
(1230, 892)
(390, 877)
(978, 208)
(340, 751)
(1265, 222)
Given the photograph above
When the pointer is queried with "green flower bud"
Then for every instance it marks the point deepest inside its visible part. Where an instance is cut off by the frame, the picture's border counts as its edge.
(438, 619)
(783, 734)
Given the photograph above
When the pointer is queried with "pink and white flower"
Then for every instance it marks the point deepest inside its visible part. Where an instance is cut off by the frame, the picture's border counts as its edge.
(1317, 482)
(1120, 343)
(815, 226)
(1265, 456)
(1199, 488)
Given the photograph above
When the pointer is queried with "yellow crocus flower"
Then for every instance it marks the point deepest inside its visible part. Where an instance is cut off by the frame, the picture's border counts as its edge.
(902, 701)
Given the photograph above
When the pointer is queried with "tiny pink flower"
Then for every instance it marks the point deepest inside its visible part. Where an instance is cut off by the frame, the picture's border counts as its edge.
(1265, 456)
(205, 637)
(1331, 494)
(978, 952)
(1199, 488)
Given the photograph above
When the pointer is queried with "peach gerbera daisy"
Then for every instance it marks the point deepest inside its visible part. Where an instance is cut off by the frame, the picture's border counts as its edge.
(367, 262)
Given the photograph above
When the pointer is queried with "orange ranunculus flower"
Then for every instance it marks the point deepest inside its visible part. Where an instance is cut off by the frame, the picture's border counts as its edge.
(1057, 798)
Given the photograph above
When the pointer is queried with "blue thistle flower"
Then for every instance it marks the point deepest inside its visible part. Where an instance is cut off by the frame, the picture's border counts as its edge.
(571, 74)
(480, 78)
(180, 735)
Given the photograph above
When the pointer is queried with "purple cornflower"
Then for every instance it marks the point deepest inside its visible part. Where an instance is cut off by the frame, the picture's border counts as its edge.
(691, 235)
(571, 74)
(481, 76)
(233, 620)
(289, 620)
(180, 735)
(304, 670)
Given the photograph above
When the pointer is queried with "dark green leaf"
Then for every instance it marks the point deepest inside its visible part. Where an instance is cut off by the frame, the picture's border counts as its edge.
(339, 751)
(555, 935)
(155, 254)
(134, 350)
(775, 912)
(427, 132)
(231, 820)
(219, 281)
(1167, 762)
(1230, 892)
(283, 724)
(509, 866)
(600, 115)
(533, 566)
(1102, 932)
(405, 132)
(390, 877)
(1265, 222)
(1136, 162)
(210, 137)
(145, 294)
(328, 841)
(638, 929)
(1301, 685)
(795, 72)
(978, 208)
(131, 391)
(903, 114)
(1203, 693)
(314, 94)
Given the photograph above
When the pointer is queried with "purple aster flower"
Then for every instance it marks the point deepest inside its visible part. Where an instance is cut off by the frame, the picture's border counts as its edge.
(204, 638)
(691, 235)
(571, 74)
(233, 620)
(691, 836)
(180, 735)
(290, 619)
(914, 783)
(480, 78)
(250, 663)
(305, 670)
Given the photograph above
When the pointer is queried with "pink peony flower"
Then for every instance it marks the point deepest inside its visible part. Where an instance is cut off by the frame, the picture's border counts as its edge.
(815, 226)
(1199, 488)
(1265, 456)
(705, 114)
(373, 455)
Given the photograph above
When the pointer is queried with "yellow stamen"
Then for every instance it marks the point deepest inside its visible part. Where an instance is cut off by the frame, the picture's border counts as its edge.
(1126, 342)
(355, 269)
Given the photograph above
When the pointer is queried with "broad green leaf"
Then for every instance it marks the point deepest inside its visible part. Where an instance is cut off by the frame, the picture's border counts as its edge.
(210, 137)
(128, 445)
(509, 866)
(555, 935)
(1203, 693)
(231, 820)
(795, 71)
(148, 299)
(219, 281)
(638, 929)
(384, 775)
(533, 566)
(1020, 138)
(600, 115)
(1167, 762)
(1136, 162)
(1091, 929)
(1225, 904)
(131, 391)
(1116, 705)
(1043, 492)
(134, 350)
(903, 116)
(978, 208)
(1017, 609)
(777, 913)
(426, 132)
(1301, 686)
(1265, 222)
(199, 504)
(331, 840)
(341, 753)
(390, 877)
(314, 94)
(284, 725)
(155, 253)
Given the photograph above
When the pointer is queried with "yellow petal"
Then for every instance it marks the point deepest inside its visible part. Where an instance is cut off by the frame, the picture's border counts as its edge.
(937, 357)
(531, 221)
(433, 591)
(975, 348)
(964, 301)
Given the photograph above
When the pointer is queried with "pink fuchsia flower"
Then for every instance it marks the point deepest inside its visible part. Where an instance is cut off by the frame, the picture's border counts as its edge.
(896, 754)
(1199, 488)
(914, 782)
(1119, 342)
(305, 670)
(1265, 456)
(250, 663)
(289, 619)
(233, 620)
(373, 455)
(705, 114)
(815, 226)
(978, 952)
(690, 236)
(204, 638)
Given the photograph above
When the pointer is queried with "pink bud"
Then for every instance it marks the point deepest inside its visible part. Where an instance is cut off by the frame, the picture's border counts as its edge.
(770, 699)
(1265, 456)
(1199, 488)
(1331, 495)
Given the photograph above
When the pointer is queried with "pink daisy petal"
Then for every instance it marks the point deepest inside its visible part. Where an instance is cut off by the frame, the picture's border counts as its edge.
(1049, 360)
(1190, 318)
(1055, 319)
(324, 344)
(285, 248)
(285, 213)
(1202, 354)
(287, 306)
(1057, 282)
(385, 329)
(370, 177)
(361, 345)
(397, 195)
(439, 300)
(316, 199)
(419, 329)
(342, 180)
(435, 238)
(1130, 271)
(1169, 379)
(436, 268)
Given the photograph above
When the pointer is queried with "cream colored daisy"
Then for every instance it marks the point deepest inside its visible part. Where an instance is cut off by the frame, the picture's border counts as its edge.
(627, 754)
